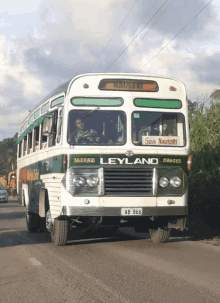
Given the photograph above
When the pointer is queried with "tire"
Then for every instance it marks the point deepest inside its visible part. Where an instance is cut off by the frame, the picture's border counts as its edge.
(112, 231)
(140, 228)
(42, 225)
(59, 232)
(32, 221)
(160, 235)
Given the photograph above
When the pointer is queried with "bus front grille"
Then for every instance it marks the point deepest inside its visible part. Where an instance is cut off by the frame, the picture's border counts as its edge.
(128, 181)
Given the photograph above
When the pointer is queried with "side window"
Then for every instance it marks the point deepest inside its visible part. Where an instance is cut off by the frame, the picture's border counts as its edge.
(25, 146)
(52, 136)
(36, 138)
(43, 140)
(20, 150)
(57, 101)
(59, 128)
(30, 146)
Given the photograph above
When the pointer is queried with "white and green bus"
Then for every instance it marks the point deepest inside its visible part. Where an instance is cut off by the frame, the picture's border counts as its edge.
(110, 150)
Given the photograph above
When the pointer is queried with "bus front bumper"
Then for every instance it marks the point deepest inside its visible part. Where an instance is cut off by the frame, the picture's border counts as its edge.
(119, 211)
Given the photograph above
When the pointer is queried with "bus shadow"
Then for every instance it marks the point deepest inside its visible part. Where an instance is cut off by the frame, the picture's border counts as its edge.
(123, 234)
(100, 236)
(24, 237)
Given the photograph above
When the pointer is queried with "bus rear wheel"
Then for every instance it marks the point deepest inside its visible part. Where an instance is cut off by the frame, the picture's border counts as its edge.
(32, 220)
(160, 235)
(42, 225)
(59, 232)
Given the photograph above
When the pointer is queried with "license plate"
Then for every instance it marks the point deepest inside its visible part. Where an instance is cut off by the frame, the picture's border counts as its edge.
(132, 211)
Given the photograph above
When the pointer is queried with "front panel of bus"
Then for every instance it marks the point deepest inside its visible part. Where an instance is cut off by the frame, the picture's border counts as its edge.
(127, 141)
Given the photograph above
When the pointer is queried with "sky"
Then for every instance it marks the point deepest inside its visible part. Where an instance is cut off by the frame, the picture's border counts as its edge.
(44, 43)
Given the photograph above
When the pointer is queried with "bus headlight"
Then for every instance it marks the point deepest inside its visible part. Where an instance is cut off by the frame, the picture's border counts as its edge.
(175, 182)
(92, 181)
(79, 181)
(163, 182)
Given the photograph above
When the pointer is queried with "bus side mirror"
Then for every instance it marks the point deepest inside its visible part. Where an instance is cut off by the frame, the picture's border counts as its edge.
(47, 126)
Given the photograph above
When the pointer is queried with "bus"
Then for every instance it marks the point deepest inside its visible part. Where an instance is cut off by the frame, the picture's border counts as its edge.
(110, 150)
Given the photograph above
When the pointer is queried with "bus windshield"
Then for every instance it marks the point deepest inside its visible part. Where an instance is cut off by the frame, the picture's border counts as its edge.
(96, 127)
(158, 128)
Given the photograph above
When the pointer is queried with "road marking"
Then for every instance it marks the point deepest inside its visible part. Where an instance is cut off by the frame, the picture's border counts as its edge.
(97, 281)
(35, 262)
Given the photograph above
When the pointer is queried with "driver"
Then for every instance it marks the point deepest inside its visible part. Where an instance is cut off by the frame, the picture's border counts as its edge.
(80, 132)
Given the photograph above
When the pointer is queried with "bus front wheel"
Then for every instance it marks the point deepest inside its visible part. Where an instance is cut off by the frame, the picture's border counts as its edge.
(160, 235)
(59, 232)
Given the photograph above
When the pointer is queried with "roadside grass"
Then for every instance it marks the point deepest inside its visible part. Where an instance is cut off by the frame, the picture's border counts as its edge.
(214, 241)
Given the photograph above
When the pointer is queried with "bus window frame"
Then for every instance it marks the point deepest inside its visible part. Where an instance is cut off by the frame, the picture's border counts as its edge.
(126, 129)
(24, 146)
(30, 142)
(163, 146)
(56, 105)
(46, 110)
(31, 119)
(37, 113)
(55, 135)
(36, 147)
(60, 124)
(43, 145)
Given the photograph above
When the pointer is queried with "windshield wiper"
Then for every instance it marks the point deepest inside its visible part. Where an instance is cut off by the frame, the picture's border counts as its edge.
(98, 108)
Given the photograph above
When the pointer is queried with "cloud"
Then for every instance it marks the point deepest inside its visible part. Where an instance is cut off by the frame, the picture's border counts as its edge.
(17, 88)
(10, 123)
(3, 101)
(207, 68)
(19, 7)
(70, 36)
(3, 24)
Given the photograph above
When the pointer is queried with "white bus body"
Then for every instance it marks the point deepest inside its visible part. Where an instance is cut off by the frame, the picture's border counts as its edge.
(107, 149)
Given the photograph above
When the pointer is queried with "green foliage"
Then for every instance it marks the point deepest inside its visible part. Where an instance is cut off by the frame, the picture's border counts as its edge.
(8, 154)
(204, 187)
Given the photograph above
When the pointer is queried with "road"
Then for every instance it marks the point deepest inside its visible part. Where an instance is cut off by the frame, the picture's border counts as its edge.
(126, 268)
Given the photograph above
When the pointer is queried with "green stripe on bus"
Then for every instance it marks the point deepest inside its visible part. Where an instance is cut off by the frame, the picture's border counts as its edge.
(155, 103)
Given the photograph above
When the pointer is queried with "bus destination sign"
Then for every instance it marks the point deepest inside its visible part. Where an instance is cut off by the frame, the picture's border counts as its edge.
(129, 85)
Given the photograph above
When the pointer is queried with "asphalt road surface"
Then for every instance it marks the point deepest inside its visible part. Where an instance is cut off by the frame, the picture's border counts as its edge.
(125, 268)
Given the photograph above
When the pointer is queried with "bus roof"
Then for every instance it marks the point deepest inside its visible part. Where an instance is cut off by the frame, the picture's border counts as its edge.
(63, 88)
(60, 89)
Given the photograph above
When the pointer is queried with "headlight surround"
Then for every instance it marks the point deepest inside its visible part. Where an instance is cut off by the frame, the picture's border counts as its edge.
(163, 182)
(175, 182)
(83, 181)
(176, 187)
(92, 181)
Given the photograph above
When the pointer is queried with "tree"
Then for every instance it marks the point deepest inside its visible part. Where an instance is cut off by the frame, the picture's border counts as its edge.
(215, 94)
(8, 154)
